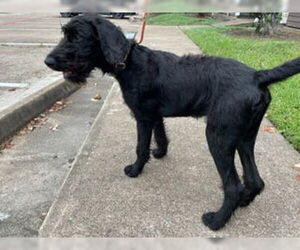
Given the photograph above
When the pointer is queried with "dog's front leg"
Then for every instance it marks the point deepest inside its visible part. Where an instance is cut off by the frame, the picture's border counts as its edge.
(161, 140)
(144, 130)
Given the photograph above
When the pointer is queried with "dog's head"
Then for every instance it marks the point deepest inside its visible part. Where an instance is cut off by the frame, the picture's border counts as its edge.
(89, 42)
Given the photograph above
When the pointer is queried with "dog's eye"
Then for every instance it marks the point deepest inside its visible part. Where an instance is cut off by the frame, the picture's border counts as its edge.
(70, 34)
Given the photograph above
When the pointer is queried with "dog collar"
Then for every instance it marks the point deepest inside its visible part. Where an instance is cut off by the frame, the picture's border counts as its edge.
(122, 65)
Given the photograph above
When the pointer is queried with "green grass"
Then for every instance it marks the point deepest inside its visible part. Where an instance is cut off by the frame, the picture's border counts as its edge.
(178, 19)
(284, 111)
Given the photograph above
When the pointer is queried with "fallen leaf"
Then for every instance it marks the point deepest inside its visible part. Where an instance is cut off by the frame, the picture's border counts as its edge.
(297, 167)
(6, 144)
(28, 128)
(54, 128)
(13, 89)
(269, 129)
(297, 177)
(59, 105)
(31, 128)
(33, 124)
(22, 132)
(97, 97)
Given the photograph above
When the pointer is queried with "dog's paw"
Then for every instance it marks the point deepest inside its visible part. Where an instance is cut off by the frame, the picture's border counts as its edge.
(212, 221)
(159, 153)
(131, 171)
(246, 198)
(245, 202)
(248, 195)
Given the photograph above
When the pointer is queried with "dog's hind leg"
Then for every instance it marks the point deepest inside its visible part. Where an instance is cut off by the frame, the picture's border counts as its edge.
(222, 144)
(144, 130)
(161, 140)
(252, 180)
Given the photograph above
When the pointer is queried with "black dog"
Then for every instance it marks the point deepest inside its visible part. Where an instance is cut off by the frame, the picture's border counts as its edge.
(157, 84)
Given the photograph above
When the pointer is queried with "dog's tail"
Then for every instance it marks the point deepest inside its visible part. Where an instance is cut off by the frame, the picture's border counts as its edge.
(266, 77)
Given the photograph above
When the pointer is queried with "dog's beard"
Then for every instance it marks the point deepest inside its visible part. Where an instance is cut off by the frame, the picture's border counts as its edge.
(78, 75)
(78, 78)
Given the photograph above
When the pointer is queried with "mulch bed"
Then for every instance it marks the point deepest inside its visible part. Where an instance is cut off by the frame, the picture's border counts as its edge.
(282, 34)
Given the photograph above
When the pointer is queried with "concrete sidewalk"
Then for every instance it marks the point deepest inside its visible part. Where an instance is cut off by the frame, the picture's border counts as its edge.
(168, 199)
(149, 244)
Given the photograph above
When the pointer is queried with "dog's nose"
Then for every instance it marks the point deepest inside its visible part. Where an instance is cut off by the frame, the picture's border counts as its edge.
(50, 61)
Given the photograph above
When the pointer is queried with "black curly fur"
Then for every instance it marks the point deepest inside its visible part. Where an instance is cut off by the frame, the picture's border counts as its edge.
(157, 84)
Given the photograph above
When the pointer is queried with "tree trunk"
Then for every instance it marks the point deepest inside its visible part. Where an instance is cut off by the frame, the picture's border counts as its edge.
(268, 23)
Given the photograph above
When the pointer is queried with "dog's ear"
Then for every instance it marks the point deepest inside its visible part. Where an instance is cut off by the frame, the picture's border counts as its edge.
(113, 43)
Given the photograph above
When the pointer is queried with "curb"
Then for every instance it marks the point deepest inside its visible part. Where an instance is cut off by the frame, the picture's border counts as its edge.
(17, 114)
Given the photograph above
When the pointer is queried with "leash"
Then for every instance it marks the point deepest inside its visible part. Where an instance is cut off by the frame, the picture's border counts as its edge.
(122, 65)
(143, 27)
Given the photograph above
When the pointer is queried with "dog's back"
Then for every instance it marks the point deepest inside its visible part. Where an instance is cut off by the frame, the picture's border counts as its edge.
(187, 85)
